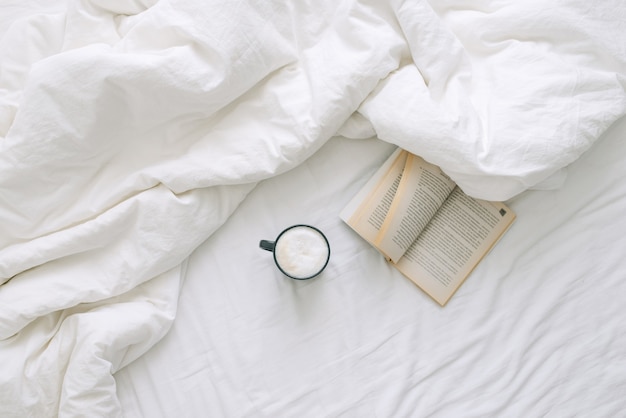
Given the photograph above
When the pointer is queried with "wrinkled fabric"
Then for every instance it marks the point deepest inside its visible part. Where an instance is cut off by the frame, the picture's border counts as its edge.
(130, 131)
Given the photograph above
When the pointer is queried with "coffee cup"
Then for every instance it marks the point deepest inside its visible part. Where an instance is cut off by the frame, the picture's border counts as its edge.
(301, 252)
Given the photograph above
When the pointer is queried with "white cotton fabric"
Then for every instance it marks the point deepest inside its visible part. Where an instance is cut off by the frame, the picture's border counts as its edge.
(130, 131)
(521, 88)
(537, 330)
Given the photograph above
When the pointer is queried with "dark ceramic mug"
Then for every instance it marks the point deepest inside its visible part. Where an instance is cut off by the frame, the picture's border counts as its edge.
(300, 251)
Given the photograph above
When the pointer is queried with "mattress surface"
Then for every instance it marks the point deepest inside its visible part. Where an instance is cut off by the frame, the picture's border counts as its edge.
(537, 329)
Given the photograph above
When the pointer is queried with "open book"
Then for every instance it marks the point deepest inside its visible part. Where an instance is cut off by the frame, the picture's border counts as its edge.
(424, 224)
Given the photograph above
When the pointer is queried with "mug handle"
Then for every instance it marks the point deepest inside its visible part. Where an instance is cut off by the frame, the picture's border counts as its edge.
(267, 245)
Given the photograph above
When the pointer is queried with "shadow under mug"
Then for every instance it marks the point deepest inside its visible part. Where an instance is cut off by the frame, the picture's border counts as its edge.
(301, 251)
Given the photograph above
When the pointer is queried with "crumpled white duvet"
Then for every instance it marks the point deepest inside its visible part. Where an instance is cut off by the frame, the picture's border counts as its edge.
(129, 131)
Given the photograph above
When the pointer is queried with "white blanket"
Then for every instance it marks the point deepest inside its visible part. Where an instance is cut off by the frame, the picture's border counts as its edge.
(130, 131)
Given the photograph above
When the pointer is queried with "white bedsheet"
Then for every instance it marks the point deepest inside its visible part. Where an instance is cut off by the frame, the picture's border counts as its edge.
(130, 132)
(538, 330)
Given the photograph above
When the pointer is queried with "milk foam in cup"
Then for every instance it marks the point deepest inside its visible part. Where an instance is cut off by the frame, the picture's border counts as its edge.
(300, 251)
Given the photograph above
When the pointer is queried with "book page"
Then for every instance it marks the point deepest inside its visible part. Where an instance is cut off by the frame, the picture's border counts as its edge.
(453, 243)
(421, 192)
(367, 211)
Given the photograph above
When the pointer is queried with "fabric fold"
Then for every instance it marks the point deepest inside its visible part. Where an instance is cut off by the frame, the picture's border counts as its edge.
(129, 132)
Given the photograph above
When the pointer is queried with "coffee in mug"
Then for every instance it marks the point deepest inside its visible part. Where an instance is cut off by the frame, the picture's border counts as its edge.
(300, 251)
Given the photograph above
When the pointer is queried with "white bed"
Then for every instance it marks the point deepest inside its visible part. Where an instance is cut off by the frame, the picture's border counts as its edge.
(142, 163)
(537, 330)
